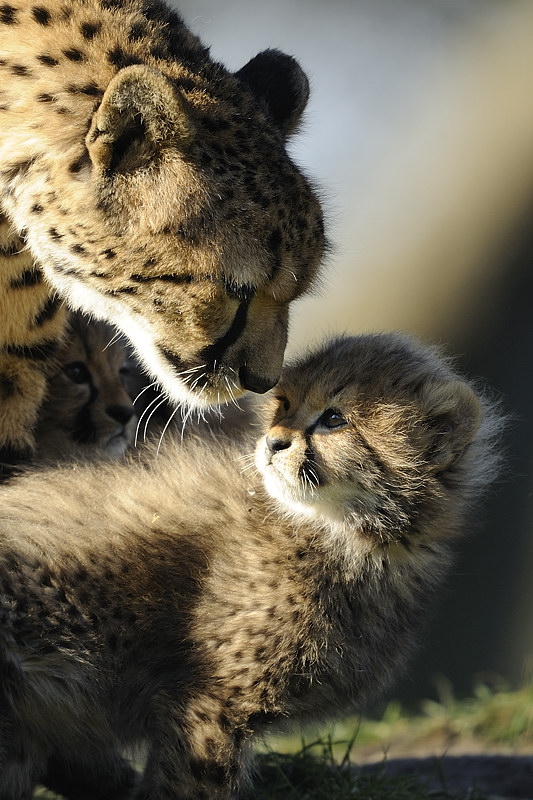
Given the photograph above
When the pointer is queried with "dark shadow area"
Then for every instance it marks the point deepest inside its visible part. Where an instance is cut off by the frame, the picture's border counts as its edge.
(504, 776)
(483, 625)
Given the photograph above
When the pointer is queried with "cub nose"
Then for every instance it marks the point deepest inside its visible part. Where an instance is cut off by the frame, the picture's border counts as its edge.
(277, 443)
(121, 414)
(255, 383)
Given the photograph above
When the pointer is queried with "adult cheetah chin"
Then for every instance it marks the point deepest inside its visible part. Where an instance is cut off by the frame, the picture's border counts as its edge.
(143, 183)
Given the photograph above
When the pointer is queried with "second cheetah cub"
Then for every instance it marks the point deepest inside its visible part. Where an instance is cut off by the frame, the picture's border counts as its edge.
(190, 604)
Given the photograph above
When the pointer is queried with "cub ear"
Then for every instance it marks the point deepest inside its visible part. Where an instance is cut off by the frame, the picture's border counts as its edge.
(140, 111)
(453, 415)
(278, 80)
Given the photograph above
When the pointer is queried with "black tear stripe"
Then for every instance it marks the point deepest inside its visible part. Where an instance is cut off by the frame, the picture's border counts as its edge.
(172, 359)
(237, 291)
(138, 277)
(215, 351)
(310, 474)
(309, 470)
(84, 431)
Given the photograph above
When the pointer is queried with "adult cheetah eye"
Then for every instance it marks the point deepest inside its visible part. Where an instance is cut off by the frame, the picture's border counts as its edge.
(77, 372)
(284, 402)
(332, 419)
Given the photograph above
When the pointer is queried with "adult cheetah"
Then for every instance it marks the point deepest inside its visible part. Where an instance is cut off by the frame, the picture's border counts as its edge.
(145, 184)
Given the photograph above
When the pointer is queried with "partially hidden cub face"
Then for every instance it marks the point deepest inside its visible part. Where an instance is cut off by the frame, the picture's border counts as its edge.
(367, 430)
(88, 409)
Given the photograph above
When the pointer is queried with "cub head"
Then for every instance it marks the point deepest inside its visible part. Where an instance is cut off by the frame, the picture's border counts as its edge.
(377, 431)
(210, 230)
(88, 410)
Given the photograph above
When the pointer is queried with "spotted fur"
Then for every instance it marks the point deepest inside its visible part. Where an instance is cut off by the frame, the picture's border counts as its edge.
(195, 610)
(88, 410)
(146, 185)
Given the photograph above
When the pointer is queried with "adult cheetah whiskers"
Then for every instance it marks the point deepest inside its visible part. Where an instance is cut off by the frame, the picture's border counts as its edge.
(199, 411)
(162, 401)
(157, 401)
(188, 374)
(112, 341)
(195, 382)
(165, 428)
(145, 389)
(232, 385)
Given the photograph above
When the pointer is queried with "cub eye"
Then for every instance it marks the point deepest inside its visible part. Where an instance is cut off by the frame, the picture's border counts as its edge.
(77, 372)
(332, 419)
(284, 403)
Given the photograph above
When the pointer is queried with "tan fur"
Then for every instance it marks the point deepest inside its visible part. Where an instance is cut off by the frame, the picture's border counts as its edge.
(175, 602)
(153, 189)
(88, 411)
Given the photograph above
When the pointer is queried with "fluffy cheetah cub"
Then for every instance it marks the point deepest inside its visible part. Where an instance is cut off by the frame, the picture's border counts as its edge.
(88, 411)
(195, 609)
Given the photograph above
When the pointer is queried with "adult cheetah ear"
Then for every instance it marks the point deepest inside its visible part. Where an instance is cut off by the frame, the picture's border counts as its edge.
(278, 80)
(453, 416)
(140, 111)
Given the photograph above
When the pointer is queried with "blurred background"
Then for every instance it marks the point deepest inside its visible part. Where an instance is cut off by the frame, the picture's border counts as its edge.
(419, 132)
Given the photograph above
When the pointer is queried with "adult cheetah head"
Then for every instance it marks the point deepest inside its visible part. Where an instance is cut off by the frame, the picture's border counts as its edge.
(210, 230)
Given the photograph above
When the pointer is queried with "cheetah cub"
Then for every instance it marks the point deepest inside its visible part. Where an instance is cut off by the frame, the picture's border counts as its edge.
(191, 605)
(88, 411)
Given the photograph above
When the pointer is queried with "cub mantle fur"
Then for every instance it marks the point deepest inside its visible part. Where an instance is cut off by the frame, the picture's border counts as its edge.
(191, 604)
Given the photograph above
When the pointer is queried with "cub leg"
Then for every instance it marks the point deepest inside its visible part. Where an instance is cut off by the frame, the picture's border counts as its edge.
(196, 754)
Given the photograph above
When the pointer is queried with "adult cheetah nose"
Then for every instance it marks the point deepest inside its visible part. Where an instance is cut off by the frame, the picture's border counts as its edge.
(277, 443)
(255, 383)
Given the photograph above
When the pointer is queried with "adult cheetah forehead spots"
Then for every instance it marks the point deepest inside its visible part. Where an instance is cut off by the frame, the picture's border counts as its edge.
(21, 71)
(121, 59)
(41, 15)
(74, 54)
(90, 29)
(48, 60)
(137, 31)
(8, 14)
